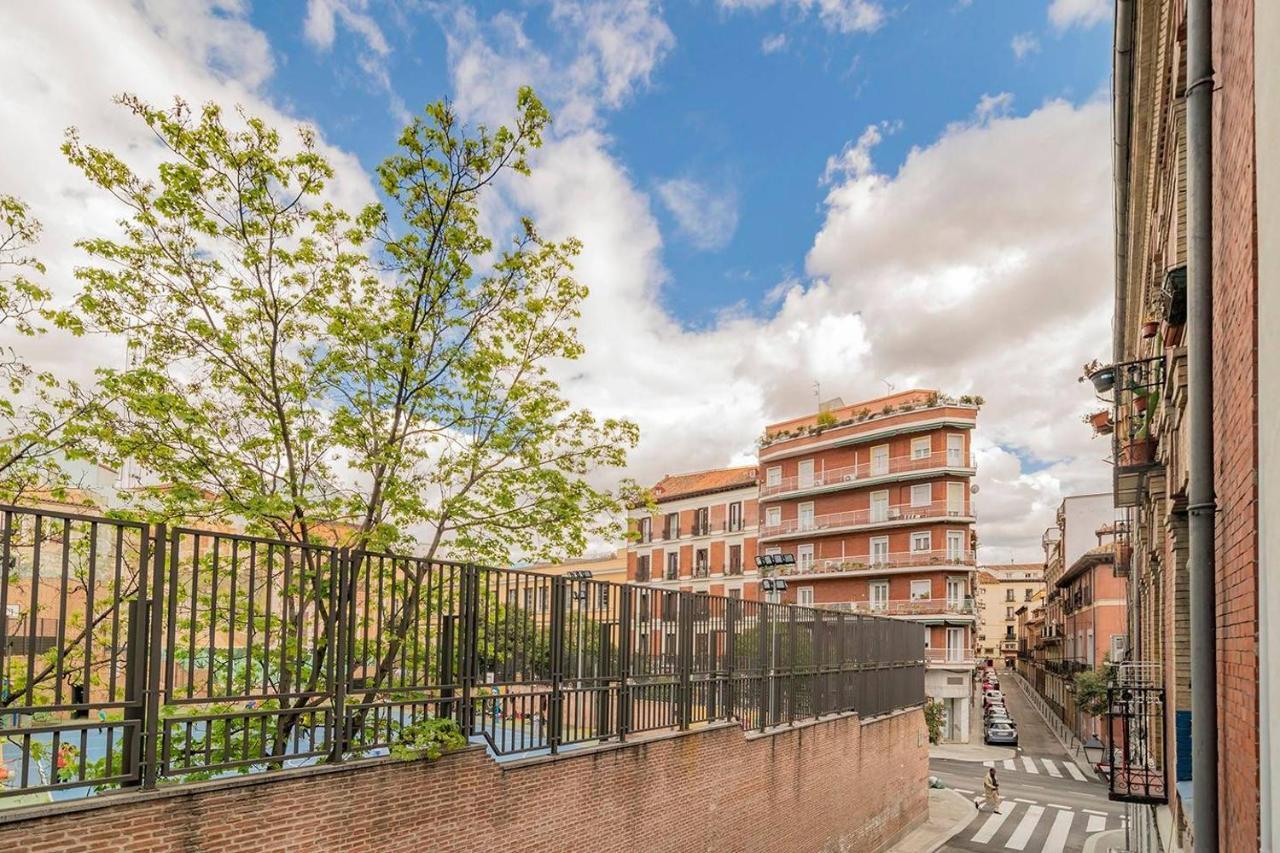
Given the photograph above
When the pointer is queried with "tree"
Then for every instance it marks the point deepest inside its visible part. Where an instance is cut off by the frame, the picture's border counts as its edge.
(330, 376)
(1091, 689)
(934, 716)
(38, 415)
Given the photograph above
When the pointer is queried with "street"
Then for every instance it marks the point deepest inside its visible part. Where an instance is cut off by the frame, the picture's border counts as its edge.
(1049, 804)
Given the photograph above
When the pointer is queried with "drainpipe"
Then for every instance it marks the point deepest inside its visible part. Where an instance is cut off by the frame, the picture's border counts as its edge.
(1202, 504)
(1122, 74)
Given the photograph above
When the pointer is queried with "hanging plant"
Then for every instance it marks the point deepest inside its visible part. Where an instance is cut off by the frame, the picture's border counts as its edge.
(1100, 421)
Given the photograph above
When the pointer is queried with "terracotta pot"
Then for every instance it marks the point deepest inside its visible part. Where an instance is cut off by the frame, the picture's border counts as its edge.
(1150, 328)
(1101, 422)
(1139, 404)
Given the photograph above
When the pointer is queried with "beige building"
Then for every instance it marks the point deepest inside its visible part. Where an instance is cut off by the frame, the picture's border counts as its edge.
(1000, 591)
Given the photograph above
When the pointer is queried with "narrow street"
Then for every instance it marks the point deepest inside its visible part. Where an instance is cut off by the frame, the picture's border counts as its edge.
(1049, 803)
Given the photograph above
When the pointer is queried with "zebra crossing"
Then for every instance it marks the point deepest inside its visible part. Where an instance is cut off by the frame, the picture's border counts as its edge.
(1054, 768)
(1026, 825)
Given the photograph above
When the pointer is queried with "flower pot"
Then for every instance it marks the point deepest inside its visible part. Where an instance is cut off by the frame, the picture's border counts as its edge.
(1150, 328)
(1139, 404)
(1101, 422)
(1103, 380)
(1140, 452)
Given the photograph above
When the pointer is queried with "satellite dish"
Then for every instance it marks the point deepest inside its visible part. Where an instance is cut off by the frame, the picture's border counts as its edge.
(973, 490)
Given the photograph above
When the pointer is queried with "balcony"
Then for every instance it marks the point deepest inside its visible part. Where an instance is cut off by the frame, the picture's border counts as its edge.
(949, 658)
(697, 531)
(883, 563)
(909, 607)
(1008, 645)
(866, 473)
(884, 516)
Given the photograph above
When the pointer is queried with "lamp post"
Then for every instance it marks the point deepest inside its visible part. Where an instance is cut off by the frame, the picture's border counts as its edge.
(580, 594)
(1094, 750)
(773, 588)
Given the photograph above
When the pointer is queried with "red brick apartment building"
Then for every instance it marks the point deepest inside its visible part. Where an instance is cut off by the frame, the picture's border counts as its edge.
(702, 537)
(873, 501)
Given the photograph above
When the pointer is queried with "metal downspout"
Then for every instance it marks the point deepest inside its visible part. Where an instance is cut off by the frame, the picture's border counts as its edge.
(1202, 503)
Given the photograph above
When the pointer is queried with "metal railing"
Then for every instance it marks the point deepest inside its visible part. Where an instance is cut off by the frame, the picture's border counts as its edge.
(880, 562)
(911, 607)
(179, 654)
(852, 474)
(942, 657)
(863, 517)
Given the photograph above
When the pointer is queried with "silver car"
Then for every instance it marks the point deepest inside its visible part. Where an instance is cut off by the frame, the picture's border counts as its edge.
(1002, 732)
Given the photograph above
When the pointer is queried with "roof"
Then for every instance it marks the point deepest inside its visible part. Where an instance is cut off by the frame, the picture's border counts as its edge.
(675, 486)
(1094, 556)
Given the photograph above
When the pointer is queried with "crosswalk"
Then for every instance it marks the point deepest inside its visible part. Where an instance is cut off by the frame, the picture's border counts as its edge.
(1057, 769)
(1048, 828)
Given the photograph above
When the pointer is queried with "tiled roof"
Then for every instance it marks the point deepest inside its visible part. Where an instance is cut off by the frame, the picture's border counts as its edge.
(675, 486)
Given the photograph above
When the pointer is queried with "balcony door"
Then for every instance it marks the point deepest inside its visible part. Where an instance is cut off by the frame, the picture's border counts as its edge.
(804, 558)
(955, 499)
(879, 550)
(955, 546)
(804, 474)
(879, 506)
(955, 450)
(955, 593)
(805, 515)
(880, 460)
(879, 595)
(955, 644)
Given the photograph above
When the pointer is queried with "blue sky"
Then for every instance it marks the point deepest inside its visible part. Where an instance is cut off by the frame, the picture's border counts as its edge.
(755, 127)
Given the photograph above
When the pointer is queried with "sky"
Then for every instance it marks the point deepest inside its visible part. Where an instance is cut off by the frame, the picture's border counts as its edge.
(777, 198)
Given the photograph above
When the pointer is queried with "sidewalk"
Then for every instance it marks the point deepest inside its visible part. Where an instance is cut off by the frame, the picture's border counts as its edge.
(949, 812)
(1070, 743)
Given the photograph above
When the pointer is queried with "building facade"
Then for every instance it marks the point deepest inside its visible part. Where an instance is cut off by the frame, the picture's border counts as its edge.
(699, 535)
(1093, 605)
(873, 502)
(999, 591)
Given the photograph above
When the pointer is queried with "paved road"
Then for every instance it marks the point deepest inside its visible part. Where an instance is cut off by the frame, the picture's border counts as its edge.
(1050, 804)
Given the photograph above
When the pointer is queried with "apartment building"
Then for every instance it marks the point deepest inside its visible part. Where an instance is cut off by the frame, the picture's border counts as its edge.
(998, 593)
(872, 500)
(702, 537)
(1094, 594)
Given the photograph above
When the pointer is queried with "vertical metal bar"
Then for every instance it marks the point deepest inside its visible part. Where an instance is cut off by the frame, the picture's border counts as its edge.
(766, 673)
(135, 679)
(624, 660)
(156, 654)
(555, 707)
(684, 659)
(336, 633)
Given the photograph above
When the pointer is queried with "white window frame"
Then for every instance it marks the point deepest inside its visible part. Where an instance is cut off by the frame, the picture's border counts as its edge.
(955, 644)
(878, 595)
(879, 460)
(921, 590)
(922, 447)
(955, 544)
(955, 449)
(955, 498)
(921, 536)
(957, 590)
(773, 475)
(804, 474)
(804, 596)
(880, 501)
(873, 547)
(921, 494)
(803, 510)
(804, 557)
(773, 516)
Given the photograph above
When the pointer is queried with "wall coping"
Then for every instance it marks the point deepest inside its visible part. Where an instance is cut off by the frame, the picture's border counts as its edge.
(191, 789)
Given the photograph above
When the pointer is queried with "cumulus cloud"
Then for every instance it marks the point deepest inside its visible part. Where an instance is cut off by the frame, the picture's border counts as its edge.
(773, 43)
(706, 218)
(1023, 45)
(843, 16)
(1079, 13)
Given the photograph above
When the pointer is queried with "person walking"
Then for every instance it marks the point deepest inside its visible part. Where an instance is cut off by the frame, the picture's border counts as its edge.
(990, 792)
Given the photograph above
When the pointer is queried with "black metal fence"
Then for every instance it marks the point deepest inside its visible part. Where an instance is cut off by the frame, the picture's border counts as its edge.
(138, 654)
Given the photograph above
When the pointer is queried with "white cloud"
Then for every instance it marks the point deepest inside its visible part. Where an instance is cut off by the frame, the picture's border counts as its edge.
(773, 43)
(626, 39)
(1024, 44)
(844, 16)
(854, 160)
(63, 70)
(320, 29)
(706, 218)
(1079, 13)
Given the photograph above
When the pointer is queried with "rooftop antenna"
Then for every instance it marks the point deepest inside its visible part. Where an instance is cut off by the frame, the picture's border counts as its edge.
(817, 390)
(888, 386)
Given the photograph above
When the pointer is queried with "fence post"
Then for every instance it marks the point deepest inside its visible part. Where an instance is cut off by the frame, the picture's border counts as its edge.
(766, 666)
(555, 707)
(730, 703)
(624, 661)
(467, 658)
(155, 656)
(791, 669)
(684, 658)
(340, 573)
(135, 681)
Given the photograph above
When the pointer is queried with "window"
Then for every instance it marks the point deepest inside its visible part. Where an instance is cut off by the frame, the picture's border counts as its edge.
(920, 447)
(879, 550)
(804, 558)
(735, 559)
(921, 542)
(955, 450)
(602, 595)
(879, 506)
(773, 475)
(1119, 645)
(804, 596)
(1008, 632)
(921, 590)
(645, 528)
(542, 599)
(805, 474)
(879, 594)
(805, 511)
(734, 592)
(1029, 593)
(642, 568)
(921, 494)
(879, 460)
(955, 545)
(702, 522)
(1008, 595)
(1008, 613)
(773, 516)
(955, 498)
(673, 566)
(735, 516)
(700, 563)
(673, 525)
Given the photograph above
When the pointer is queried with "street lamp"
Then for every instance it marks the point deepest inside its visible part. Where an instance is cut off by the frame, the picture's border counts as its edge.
(774, 588)
(1094, 749)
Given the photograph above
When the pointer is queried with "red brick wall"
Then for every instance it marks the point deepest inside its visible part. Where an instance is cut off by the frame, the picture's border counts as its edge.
(1235, 421)
(834, 785)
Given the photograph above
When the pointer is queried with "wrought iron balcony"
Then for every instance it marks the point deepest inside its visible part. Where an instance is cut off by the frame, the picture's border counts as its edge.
(853, 475)
(910, 607)
(1136, 733)
(881, 563)
(858, 518)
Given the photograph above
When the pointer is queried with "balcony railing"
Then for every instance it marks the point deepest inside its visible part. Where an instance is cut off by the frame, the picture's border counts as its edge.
(709, 529)
(852, 474)
(881, 563)
(819, 524)
(952, 656)
(909, 606)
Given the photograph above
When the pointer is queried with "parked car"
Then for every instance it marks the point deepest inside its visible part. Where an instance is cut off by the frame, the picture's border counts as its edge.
(1000, 719)
(994, 709)
(993, 697)
(988, 686)
(1002, 733)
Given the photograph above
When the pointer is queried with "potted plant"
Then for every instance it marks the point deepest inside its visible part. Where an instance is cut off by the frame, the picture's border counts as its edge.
(1149, 329)
(1100, 421)
(1103, 376)
(1140, 403)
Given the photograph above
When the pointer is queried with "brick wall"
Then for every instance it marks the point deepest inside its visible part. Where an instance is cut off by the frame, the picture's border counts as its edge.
(834, 785)
(1235, 421)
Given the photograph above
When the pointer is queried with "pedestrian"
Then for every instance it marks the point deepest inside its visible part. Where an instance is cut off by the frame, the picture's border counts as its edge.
(990, 792)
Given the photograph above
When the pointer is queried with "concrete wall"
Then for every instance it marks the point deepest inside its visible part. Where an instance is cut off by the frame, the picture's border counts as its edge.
(839, 784)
